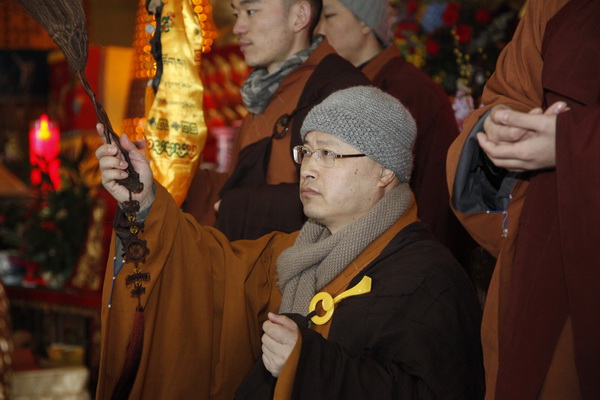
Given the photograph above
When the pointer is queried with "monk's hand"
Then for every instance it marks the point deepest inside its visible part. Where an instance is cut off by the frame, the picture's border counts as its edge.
(496, 128)
(521, 141)
(278, 341)
(113, 167)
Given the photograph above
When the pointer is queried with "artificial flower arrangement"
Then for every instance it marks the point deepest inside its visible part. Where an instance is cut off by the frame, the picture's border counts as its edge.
(455, 43)
(44, 235)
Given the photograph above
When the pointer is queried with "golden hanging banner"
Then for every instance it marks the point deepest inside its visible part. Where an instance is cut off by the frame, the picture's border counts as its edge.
(175, 129)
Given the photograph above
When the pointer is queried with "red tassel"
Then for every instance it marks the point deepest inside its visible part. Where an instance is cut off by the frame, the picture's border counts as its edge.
(132, 361)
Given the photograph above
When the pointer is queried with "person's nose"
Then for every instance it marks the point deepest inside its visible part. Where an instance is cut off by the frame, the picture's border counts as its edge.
(240, 27)
(320, 28)
(309, 167)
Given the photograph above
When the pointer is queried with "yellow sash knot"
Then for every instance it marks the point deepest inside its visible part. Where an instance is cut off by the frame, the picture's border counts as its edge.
(328, 302)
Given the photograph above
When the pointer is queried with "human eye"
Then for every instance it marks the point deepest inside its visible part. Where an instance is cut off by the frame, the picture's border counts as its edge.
(328, 15)
(327, 154)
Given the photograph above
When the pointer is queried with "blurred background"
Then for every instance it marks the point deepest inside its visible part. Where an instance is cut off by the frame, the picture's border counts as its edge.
(56, 220)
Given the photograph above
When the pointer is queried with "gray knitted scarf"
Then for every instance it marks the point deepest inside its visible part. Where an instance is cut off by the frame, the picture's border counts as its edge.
(317, 256)
(260, 84)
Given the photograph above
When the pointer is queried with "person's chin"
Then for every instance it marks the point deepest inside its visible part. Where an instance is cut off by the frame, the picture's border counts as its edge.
(250, 60)
(311, 211)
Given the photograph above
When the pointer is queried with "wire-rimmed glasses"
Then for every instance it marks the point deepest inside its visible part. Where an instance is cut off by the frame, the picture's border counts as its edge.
(324, 157)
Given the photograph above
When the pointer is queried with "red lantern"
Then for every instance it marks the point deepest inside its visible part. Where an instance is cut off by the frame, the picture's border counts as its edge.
(44, 147)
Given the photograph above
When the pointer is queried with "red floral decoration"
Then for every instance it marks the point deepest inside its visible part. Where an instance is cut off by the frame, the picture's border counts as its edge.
(412, 6)
(483, 16)
(48, 230)
(406, 27)
(451, 13)
(455, 43)
(433, 47)
(464, 33)
(49, 226)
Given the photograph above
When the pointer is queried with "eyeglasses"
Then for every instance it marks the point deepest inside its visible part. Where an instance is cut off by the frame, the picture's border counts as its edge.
(325, 158)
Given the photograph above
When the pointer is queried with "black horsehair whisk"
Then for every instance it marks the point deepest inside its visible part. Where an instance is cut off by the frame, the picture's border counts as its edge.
(65, 22)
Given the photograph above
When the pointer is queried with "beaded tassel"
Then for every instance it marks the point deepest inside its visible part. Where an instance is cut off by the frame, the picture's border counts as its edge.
(134, 250)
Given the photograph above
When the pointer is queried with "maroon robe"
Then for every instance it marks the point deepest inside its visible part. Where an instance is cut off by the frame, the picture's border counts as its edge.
(541, 322)
(555, 271)
(436, 129)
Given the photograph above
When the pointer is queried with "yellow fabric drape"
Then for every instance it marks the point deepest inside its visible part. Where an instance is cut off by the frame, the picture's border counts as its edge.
(176, 131)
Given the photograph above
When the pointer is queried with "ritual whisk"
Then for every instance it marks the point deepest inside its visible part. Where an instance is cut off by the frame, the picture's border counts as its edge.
(64, 20)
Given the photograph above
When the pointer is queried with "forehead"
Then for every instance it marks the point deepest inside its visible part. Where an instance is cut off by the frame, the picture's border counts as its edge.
(246, 3)
(250, 3)
(318, 139)
(331, 4)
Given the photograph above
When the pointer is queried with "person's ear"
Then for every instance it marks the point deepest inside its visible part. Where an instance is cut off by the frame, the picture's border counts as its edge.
(365, 29)
(386, 176)
(302, 15)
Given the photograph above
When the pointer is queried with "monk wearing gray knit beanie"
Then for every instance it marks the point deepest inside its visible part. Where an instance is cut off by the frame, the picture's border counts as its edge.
(358, 31)
(370, 120)
(374, 13)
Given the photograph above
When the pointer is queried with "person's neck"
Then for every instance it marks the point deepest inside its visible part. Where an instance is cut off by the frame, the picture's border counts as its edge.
(366, 52)
(297, 46)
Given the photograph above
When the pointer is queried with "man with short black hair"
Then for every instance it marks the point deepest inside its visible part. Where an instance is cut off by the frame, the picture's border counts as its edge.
(292, 72)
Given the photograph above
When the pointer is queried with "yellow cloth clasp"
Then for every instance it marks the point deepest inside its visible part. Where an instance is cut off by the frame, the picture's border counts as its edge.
(328, 302)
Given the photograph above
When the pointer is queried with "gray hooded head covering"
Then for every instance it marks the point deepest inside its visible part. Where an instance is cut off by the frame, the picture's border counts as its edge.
(370, 120)
(374, 13)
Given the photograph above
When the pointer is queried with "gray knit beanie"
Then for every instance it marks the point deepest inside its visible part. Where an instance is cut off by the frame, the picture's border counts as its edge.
(374, 13)
(370, 120)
